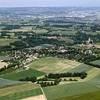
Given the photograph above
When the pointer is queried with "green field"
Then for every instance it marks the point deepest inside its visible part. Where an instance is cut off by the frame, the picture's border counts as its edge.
(53, 64)
(65, 90)
(5, 82)
(16, 75)
(89, 96)
(81, 88)
(20, 91)
(4, 42)
(77, 89)
(81, 68)
(96, 62)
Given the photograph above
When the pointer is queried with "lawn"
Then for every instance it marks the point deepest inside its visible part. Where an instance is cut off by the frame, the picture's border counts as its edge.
(16, 75)
(54, 65)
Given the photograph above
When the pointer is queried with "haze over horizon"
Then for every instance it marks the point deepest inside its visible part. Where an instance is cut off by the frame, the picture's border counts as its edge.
(50, 3)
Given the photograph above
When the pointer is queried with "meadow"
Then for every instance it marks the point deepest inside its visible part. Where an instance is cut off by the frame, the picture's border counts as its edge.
(17, 75)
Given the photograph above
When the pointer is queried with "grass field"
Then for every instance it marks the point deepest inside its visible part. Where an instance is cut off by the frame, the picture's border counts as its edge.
(5, 82)
(81, 68)
(77, 89)
(52, 64)
(96, 62)
(71, 89)
(89, 96)
(19, 91)
(16, 75)
(4, 42)
(67, 91)
(80, 89)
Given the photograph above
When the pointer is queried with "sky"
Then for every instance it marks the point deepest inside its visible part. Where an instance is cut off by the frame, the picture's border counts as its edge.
(49, 3)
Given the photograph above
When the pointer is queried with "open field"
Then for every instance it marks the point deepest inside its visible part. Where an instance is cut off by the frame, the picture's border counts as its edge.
(71, 89)
(39, 97)
(19, 91)
(88, 96)
(4, 42)
(52, 64)
(5, 82)
(68, 89)
(96, 62)
(16, 75)
(88, 85)
(26, 29)
(81, 68)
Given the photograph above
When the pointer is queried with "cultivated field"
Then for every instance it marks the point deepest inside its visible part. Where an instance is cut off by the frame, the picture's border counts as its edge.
(20, 91)
(96, 62)
(39, 97)
(38, 68)
(76, 89)
(17, 75)
(4, 42)
(54, 65)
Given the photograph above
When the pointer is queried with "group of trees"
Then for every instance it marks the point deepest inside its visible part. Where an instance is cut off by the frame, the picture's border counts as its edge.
(82, 75)
(49, 83)
(32, 79)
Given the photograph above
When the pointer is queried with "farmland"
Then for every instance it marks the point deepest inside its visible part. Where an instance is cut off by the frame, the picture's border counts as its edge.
(97, 62)
(22, 74)
(51, 64)
(19, 91)
(89, 86)
(4, 42)
(49, 53)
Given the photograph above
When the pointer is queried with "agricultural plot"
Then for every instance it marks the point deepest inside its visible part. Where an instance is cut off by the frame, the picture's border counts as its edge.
(27, 29)
(88, 96)
(71, 89)
(17, 75)
(5, 82)
(75, 90)
(96, 62)
(4, 42)
(54, 65)
(19, 91)
(65, 32)
(38, 31)
(82, 68)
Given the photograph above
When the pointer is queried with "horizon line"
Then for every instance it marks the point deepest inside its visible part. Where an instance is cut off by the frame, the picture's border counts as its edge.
(50, 7)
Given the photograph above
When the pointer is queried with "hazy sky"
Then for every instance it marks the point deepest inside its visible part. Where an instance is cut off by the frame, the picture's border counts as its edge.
(33, 3)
